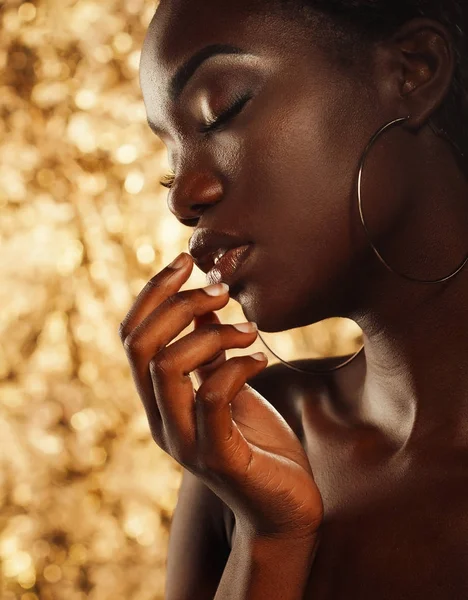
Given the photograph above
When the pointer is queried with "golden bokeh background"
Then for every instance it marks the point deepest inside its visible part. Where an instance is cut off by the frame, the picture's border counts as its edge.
(86, 495)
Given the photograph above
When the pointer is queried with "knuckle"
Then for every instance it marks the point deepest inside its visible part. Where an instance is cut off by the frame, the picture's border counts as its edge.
(209, 397)
(178, 300)
(214, 333)
(161, 366)
(151, 284)
(131, 343)
(122, 331)
(213, 329)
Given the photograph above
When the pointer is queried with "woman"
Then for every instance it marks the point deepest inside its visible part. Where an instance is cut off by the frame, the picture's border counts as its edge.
(290, 125)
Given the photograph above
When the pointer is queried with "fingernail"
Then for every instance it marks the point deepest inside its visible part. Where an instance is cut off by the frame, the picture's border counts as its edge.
(259, 356)
(246, 327)
(178, 262)
(217, 289)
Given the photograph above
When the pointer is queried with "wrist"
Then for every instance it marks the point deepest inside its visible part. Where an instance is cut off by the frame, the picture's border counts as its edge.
(270, 548)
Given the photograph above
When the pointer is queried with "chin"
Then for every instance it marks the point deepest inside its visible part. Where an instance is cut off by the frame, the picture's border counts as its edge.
(270, 317)
(272, 311)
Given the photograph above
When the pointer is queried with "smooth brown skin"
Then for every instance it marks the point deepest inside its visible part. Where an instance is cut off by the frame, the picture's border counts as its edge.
(386, 437)
(225, 433)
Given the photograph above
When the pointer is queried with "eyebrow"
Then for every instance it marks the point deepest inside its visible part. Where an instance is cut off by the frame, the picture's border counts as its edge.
(188, 68)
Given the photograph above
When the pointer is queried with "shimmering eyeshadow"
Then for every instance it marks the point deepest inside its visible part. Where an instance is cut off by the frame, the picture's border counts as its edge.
(168, 179)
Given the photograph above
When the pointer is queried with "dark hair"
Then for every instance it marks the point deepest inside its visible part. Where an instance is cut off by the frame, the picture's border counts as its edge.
(348, 27)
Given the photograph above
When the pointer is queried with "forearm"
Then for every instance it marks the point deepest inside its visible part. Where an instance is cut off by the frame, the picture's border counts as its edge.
(259, 569)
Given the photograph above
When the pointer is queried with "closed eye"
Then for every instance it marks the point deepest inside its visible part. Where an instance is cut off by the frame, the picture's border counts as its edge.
(168, 179)
(225, 116)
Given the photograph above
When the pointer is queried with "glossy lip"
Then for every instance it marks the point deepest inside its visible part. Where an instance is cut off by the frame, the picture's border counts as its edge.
(206, 243)
(228, 269)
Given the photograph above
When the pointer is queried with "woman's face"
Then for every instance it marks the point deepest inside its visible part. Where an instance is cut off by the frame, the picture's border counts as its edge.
(281, 173)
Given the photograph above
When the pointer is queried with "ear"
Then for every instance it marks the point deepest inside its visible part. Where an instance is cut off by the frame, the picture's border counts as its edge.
(422, 51)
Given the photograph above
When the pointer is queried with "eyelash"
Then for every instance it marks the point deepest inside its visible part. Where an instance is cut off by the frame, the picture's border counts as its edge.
(167, 180)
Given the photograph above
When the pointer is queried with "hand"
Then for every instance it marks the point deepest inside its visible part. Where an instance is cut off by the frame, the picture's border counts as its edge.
(225, 433)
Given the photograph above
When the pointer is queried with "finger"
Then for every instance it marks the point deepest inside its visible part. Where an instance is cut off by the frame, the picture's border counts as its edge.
(173, 391)
(220, 444)
(210, 318)
(171, 318)
(163, 285)
(159, 328)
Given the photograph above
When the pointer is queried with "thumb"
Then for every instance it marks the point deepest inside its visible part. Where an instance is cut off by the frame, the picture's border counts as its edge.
(204, 370)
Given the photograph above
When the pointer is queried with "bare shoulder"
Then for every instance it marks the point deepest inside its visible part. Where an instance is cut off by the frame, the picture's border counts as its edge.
(289, 390)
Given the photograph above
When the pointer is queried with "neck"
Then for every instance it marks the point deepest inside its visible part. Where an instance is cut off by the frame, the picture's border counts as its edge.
(416, 383)
(416, 335)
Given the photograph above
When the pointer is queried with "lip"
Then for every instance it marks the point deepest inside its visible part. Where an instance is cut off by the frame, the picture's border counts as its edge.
(206, 243)
(229, 267)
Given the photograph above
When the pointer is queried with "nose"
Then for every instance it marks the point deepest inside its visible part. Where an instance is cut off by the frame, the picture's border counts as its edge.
(192, 195)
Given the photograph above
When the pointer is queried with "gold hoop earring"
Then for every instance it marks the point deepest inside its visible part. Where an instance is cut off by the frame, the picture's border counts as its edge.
(377, 253)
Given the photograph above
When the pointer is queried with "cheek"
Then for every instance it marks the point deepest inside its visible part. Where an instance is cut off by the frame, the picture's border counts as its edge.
(302, 174)
(303, 169)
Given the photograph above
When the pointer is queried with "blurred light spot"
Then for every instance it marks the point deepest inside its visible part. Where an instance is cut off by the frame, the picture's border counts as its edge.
(113, 219)
(57, 326)
(41, 548)
(29, 596)
(146, 538)
(134, 182)
(8, 545)
(123, 42)
(147, 14)
(49, 444)
(126, 154)
(12, 183)
(11, 22)
(71, 258)
(134, 526)
(22, 494)
(121, 295)
(85, 99)
(35, 384)
(17, 563)
(27, 12)
(133, 60)
(134, 6)
(81, 133)
(139, 114)
(103, 54)
(169, 231)
(98, 456)
(53, 573)
(27, 579)
(49, 69)
(92, 183)
(108, 141)
(45, 178)
(85, 332)
(145, 254)
(11, 396)
(99, 270)
(47, 94)
(78, 554)
(83, 419)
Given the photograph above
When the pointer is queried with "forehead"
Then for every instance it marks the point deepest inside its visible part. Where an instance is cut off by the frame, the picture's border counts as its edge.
(181, 27)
